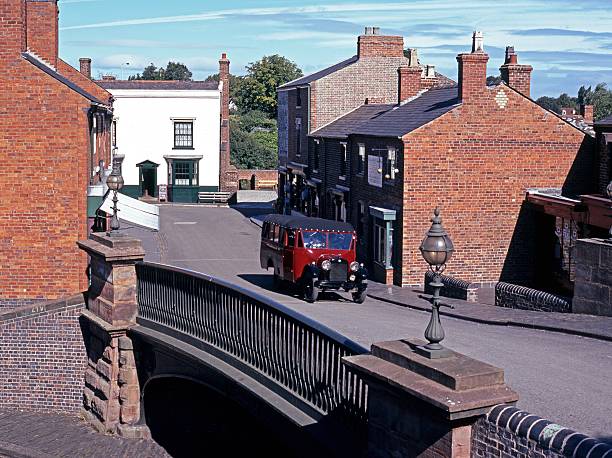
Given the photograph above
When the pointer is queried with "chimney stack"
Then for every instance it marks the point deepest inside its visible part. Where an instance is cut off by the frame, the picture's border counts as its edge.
(224, 151)
(85, 66)
(109, 78)
(42, 29)
(409, 82)
(373, 44)
(518, 77)
(587, 113)
(473, 71)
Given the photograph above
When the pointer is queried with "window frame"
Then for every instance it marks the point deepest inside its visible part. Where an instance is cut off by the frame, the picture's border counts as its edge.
(298, 137)
(189, 135)
(361, 156)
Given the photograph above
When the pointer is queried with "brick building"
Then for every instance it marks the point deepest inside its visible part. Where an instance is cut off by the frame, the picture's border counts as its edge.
(310, 102)
(54, 131)
(471, 149)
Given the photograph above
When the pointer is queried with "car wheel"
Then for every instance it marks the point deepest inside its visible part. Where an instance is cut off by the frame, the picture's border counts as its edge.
(311, 292)
(359, 296)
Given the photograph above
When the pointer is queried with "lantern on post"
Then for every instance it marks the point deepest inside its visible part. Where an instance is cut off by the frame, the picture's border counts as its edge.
(115, 183)
(436, 248)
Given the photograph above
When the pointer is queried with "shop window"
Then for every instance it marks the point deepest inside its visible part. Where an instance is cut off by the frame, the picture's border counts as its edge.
(383, 242)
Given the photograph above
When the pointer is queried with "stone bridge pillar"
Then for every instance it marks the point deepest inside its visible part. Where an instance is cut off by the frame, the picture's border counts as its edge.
(111, 397)
(425, 407)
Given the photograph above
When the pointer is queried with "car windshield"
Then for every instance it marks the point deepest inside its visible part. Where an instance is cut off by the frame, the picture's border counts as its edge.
(314, 239)
(334, 241)
(340, 241)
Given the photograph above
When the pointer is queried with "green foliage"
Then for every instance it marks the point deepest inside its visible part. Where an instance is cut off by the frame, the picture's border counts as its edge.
(173, 71)
(557, 103)
(253, 140)
(235, 83)
(600, 98)
(258, 88)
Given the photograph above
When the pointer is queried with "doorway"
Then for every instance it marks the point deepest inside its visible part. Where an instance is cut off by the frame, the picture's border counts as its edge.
(148, 178)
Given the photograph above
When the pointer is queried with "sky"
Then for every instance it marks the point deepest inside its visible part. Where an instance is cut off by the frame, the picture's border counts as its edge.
(568, 42)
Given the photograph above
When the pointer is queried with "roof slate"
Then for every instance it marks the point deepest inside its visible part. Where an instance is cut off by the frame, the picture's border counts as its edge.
(405, 118)
(604, 121)
(343, 126)
(320, 74)
(159, 85)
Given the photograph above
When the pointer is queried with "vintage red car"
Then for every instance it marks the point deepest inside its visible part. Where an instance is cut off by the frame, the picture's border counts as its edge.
(313, 253)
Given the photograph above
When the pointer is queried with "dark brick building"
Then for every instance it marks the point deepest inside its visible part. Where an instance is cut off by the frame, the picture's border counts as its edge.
(54, 131)
(471, 149)
(311, 102)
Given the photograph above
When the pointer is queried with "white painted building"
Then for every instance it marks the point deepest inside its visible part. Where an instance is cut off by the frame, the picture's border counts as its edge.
(169, 133)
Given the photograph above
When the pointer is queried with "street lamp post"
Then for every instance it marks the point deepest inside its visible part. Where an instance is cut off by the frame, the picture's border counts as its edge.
(115, 183)
(436, 248)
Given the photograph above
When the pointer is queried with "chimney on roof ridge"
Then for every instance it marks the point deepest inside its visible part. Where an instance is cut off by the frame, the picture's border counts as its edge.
(373, 44)
(477, 42)
(85, 66)
(430, 71)
(472, 71)
(42, 29)
(587, 113)
(109, 78)
(409, 81)
(517, 76)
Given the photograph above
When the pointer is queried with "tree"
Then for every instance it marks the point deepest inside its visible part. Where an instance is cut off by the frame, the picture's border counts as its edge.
(177, 71)
(253, 140)
(235, 82)
(600, 98)
(258, 88)
(173, 71)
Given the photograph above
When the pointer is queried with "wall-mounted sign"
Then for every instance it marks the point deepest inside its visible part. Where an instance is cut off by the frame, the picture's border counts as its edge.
(162, 192)
(375, 164)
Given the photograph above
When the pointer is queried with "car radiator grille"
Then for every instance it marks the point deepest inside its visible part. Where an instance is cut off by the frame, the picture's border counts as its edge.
(338, 271)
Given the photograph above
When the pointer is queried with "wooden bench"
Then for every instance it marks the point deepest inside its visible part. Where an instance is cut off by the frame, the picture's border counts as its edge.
(210, 197)
(267, 184)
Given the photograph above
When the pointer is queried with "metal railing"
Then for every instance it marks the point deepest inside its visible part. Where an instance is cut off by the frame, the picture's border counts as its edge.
(295, 351)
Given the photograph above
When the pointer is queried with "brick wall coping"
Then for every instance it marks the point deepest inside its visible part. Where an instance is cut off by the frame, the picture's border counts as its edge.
(547, 434)
(541, 300)
(41, 308)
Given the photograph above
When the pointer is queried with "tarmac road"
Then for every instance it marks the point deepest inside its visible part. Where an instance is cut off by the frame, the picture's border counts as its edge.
(565, 378)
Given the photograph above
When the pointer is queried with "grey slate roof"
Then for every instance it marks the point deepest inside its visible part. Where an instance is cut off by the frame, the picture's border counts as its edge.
(159, 85)
(607, 121)
(320, 74)
(342, 127)
(62, 79)
(402, 119)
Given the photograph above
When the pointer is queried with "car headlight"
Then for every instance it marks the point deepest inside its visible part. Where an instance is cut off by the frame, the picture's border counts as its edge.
(326, 264)
(354, 266)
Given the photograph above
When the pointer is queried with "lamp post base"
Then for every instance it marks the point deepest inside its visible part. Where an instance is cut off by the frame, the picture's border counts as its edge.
(433, 353)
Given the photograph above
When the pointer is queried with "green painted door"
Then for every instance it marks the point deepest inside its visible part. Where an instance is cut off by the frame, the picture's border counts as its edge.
(184, 181)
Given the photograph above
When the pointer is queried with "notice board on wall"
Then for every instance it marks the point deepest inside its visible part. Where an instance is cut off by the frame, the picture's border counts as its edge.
(375, 170)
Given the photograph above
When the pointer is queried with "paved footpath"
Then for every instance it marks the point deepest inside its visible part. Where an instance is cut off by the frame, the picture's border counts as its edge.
(38, 435)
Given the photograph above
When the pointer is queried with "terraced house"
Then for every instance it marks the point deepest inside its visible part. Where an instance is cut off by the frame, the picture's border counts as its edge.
(54, 133)
(471, 149)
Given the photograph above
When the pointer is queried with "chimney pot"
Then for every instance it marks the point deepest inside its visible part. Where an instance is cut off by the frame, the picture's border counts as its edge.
(368, 30)
(430, 71)
(477, 42)
(413, 57)
(375, 30)
(223, 55)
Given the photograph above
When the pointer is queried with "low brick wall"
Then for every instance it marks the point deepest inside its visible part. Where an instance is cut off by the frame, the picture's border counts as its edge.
(42, 357)
(453, 287)
(520, 297)
(510, 432)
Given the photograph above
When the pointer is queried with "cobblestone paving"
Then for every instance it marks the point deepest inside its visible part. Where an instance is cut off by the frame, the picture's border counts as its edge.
(39, 435)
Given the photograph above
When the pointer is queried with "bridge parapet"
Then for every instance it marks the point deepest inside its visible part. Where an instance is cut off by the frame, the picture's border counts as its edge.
(111, 397)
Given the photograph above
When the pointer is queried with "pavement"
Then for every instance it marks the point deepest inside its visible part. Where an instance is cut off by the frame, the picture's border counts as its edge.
(554, 362)
(39, 435)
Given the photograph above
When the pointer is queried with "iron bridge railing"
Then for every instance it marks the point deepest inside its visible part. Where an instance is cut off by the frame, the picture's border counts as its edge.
(295, 351)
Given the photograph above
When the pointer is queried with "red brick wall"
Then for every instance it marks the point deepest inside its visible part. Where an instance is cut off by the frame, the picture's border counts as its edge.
(517, 77)
(74, 75)
(476, 162)
(44, 145)
(43, 357)
(380, 46)
(42, 29)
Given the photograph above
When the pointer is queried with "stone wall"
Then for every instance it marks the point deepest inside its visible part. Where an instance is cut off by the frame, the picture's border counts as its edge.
(593, 285)
(520, 297)
(43, 358)
(510, 432)
(453, 287)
